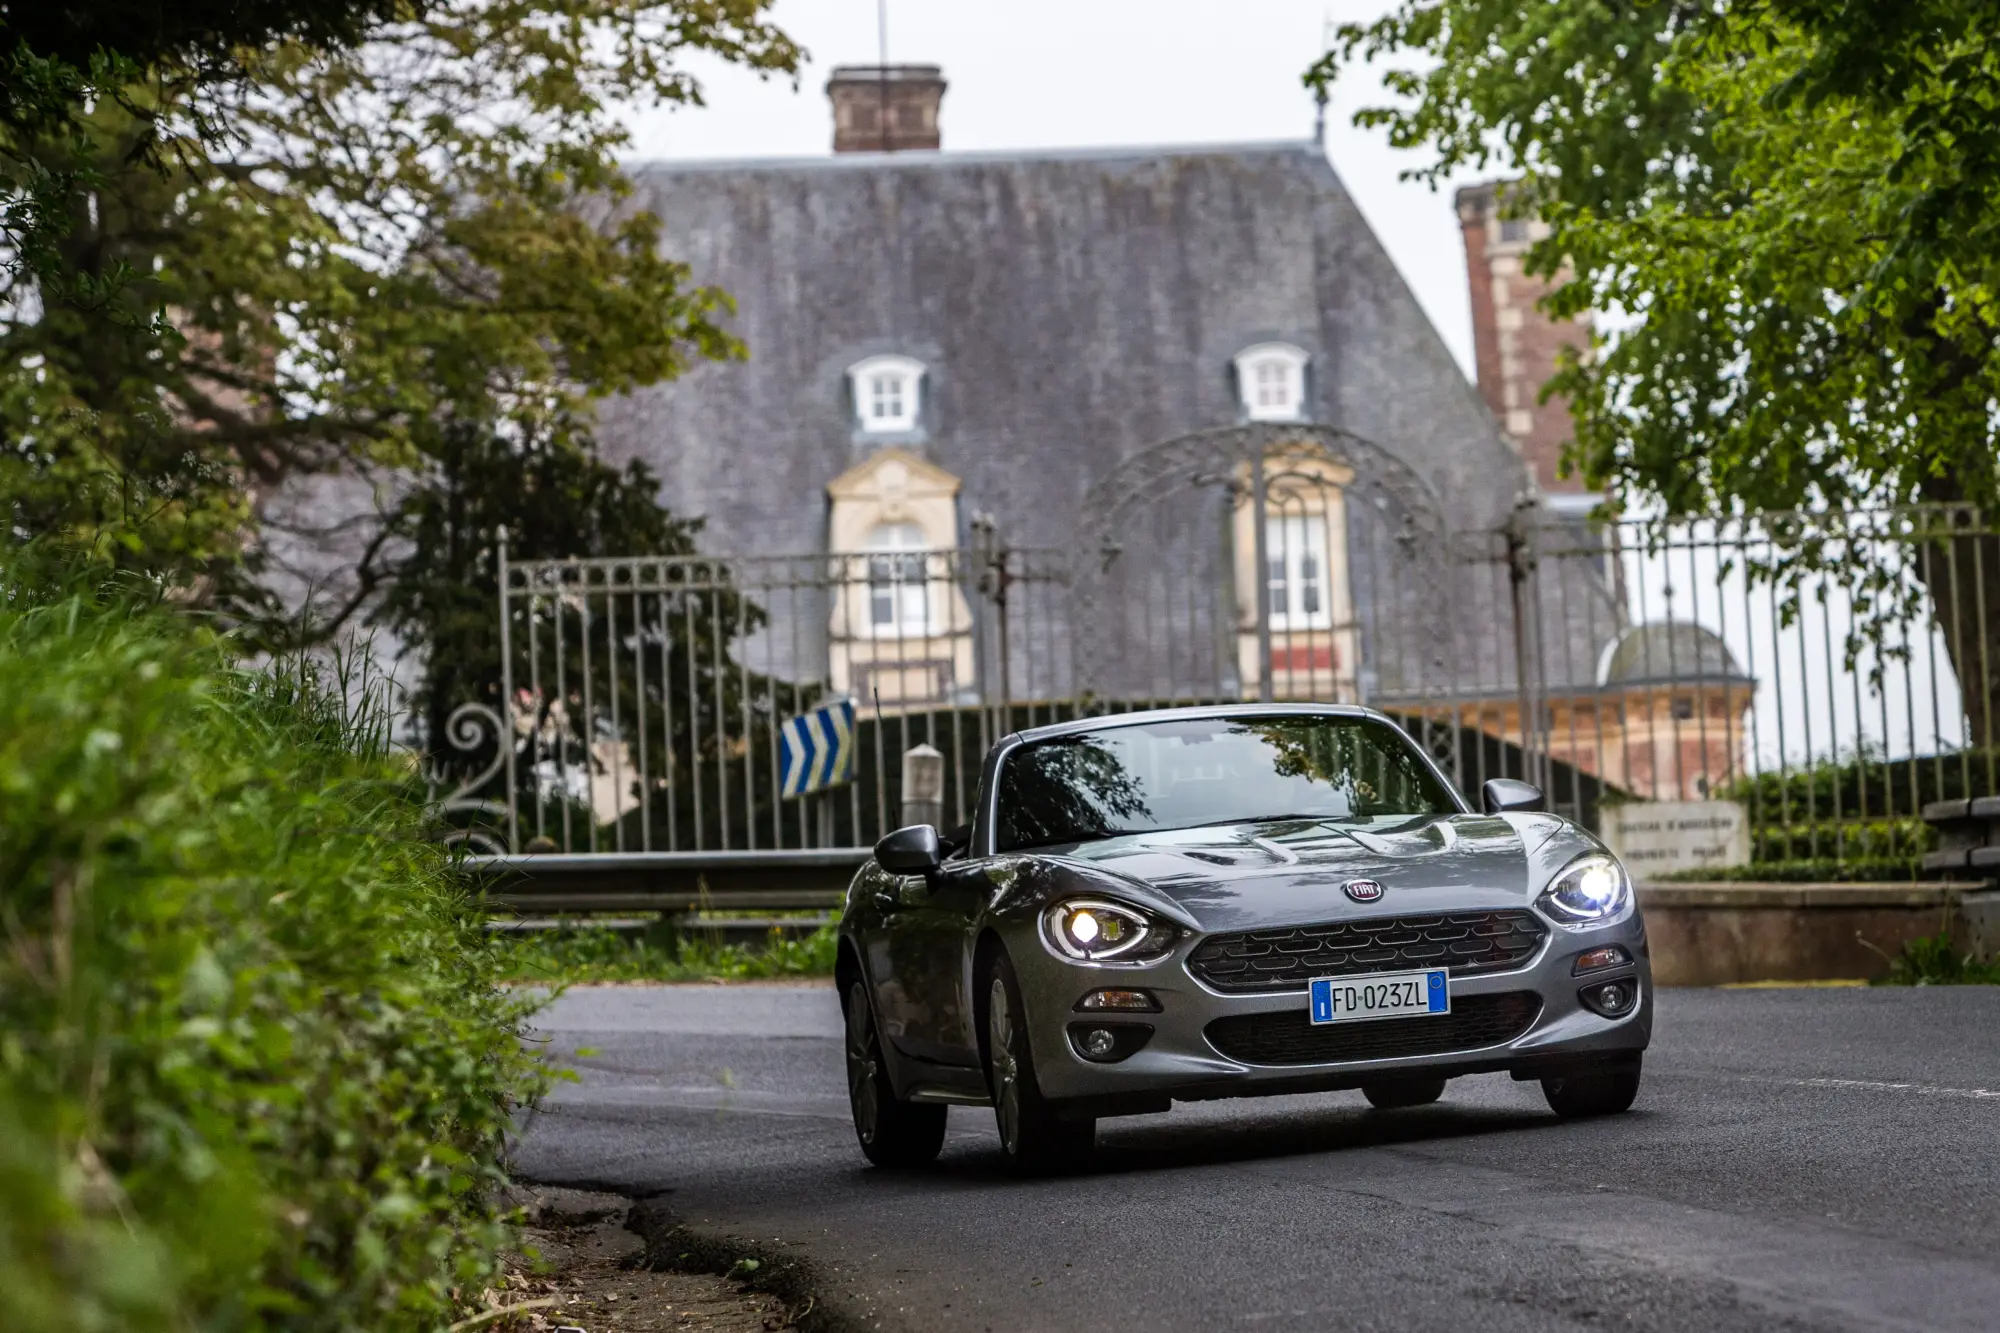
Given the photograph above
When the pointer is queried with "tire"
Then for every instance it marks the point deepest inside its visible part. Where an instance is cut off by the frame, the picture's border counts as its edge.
(1393, 1094)
(1599, 1092)
(1032, 1139)
(891, 1132)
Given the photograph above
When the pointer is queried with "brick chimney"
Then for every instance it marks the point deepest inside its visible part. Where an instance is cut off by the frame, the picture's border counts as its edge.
(885, 108)
(1514, 343)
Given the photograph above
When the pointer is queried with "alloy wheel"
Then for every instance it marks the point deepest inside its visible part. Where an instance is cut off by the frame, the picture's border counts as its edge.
(1004, 1066)
(863, 1090)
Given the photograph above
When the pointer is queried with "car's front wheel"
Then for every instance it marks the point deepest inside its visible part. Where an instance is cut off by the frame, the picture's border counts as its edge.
(1033, 1139)
(892, 1132)
(1593, 1092)
(1393, 1094)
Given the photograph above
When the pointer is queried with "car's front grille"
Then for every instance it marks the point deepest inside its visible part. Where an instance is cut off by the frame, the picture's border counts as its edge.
(1289, 1037)
(1468, 943)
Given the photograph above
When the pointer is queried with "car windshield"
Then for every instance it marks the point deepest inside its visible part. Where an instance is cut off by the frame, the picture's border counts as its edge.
(1153, 776)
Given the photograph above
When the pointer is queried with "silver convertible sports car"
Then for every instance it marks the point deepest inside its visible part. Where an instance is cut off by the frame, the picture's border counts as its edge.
(1229, 902)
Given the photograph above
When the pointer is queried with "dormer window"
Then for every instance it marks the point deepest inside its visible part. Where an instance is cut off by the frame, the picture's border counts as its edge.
(886, 394)
(1271, 378)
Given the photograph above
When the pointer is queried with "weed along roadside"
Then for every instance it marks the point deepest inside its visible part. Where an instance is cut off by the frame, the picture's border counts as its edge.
(261, 1055)
(258, 1062)
(583, 952)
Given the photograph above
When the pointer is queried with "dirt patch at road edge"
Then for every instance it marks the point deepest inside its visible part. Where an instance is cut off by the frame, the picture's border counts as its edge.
(808, 1294)
(587, 1267)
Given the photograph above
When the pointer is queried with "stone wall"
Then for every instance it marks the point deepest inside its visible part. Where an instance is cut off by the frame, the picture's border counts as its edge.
(1729, 933)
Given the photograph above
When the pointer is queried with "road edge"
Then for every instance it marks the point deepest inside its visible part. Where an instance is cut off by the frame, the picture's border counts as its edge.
(803, 1285)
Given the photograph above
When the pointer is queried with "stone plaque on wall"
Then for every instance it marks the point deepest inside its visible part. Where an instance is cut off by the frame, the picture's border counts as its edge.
(1657, 838)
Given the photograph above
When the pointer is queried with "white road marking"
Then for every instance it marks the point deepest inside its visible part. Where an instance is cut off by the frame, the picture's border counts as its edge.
(1921, 1089)
(1850, 1085)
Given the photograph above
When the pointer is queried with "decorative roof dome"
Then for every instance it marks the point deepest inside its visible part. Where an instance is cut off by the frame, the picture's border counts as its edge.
(1663, 652)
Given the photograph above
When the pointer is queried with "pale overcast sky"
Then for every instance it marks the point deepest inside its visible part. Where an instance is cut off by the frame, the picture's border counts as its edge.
(1027, 74)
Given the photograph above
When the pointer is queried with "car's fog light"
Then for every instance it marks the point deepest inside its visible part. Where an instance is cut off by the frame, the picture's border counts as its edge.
(1613, 999)
(1596, 960)
(1108, 1043)
(1132, 1001)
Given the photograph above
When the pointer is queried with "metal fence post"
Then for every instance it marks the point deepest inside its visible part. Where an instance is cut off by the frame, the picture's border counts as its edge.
(1260, 542)
(507, 729)
(923, 786)
(1520, 569)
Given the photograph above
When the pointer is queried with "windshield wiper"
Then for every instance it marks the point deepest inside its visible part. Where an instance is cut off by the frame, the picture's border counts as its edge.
(1272, 819)
(1077, 836)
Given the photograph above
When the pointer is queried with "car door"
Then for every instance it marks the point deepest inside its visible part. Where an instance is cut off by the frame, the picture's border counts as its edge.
(923, 943)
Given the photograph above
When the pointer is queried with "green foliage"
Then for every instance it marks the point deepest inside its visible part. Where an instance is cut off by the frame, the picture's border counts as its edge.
(1802, 868)
(58, 61)
(1859, 819)
(335, 251)
(438, 580)
(1867, 786)
(1797, 220)
(1933, 960)
(200, 33)
(1792, 212)
(579, 952)
(255, 1060)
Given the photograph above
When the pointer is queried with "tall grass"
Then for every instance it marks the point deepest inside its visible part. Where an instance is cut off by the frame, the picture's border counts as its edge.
(581, 953)
(255, 1062)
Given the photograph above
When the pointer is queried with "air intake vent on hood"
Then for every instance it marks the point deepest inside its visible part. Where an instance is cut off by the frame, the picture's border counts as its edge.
(1246, 855)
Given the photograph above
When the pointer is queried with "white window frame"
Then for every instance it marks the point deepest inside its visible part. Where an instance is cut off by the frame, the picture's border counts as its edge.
(1271, 381)
(898, 582)
(887, 394)
(1298, 572)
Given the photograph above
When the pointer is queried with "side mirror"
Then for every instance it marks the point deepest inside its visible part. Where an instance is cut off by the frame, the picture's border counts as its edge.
(1504, 794)
(910, 851)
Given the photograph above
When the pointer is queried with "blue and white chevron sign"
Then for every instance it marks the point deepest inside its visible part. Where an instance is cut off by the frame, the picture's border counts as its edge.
(816, 749)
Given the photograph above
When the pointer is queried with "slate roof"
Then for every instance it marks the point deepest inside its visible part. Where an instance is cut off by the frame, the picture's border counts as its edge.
(1669, 652)
(1073, 308)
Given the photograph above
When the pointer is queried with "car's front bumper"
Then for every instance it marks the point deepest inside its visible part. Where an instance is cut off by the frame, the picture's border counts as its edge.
(1179, 1061)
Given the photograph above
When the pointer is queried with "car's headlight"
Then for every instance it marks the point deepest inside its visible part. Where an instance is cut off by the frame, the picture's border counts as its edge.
(1092, 930)
(1593, 887)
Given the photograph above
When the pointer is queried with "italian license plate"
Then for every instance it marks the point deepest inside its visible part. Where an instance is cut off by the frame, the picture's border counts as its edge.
(1383, 995)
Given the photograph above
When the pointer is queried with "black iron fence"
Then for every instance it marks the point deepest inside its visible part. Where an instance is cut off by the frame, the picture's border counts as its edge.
(1829, 674)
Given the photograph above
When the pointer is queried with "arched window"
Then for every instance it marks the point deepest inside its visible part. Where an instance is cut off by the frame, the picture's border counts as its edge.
(898, 601)
(1271, 378)
(886, 393)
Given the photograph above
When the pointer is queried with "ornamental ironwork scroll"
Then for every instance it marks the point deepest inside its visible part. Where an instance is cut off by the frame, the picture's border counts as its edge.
(470, 728)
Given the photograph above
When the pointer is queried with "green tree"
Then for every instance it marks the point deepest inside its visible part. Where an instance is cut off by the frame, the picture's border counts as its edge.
(429, 224)
(1792, 211)
(431, 579)
(57, 60)
(434, 561)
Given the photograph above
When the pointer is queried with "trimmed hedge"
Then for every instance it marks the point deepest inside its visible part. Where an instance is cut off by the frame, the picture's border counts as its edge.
(255, 1063)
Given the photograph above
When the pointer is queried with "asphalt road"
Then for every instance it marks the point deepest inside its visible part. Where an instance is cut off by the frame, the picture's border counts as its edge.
(1825, 1159)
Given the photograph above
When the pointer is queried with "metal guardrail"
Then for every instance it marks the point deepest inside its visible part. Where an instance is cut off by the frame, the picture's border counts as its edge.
(767, 881)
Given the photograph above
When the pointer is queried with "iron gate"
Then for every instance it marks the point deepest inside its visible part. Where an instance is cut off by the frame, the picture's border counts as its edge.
(1809, 666)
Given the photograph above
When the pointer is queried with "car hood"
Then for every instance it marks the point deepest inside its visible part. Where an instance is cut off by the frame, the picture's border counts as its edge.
(1249, 876)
